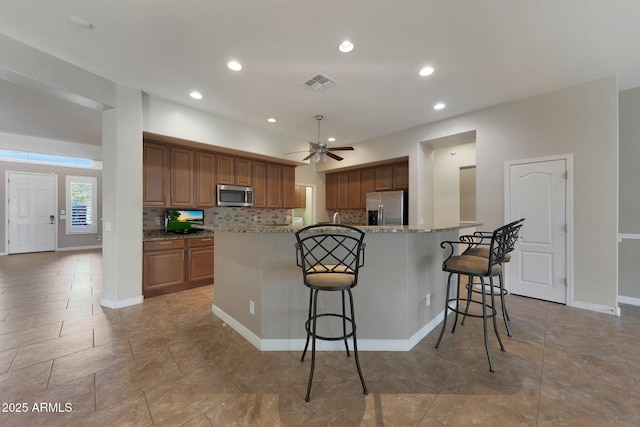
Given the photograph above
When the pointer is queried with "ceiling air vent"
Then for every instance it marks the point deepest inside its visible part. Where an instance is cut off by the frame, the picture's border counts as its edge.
(320, 82)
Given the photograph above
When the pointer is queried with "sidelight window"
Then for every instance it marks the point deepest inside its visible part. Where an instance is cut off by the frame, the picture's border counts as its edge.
(81, 204)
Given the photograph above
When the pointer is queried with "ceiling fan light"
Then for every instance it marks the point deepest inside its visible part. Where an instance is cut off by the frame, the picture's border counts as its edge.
(324, 157)
(315, 158)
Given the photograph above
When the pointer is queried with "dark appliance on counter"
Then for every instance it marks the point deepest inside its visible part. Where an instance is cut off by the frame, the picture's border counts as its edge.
(181, 220)
(234, 195)
(387, 208)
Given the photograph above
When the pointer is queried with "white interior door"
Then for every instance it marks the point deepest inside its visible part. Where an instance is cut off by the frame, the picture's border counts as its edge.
(538, 192)
(32, 211)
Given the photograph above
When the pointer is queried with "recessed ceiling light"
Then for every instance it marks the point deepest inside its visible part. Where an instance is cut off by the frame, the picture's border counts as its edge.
(426, 71)
(439, 106)
(345, 47)
(195, 95)
(332, 139)
(234, 65)
(271, 120)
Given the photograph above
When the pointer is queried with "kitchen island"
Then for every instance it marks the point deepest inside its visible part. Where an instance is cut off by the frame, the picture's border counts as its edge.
(399, 298)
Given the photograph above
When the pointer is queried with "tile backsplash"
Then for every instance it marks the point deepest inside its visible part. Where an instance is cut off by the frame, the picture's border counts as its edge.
(153, 218)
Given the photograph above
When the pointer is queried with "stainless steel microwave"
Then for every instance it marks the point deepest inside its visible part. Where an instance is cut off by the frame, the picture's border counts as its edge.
(234, 195)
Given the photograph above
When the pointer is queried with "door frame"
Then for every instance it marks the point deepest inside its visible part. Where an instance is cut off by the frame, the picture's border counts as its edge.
(568, 158)
(6, 207)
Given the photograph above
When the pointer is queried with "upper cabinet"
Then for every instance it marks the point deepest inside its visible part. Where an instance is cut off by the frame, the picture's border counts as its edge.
(155, 168)
(182, 169)
(177, 176)
(348, 190)
(205, 179)
(234, 170)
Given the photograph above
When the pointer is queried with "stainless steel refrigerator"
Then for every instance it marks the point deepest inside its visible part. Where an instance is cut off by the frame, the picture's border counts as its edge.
(387, 208)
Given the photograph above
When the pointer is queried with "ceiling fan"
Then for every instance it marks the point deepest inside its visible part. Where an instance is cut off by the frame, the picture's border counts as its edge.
(319, 150)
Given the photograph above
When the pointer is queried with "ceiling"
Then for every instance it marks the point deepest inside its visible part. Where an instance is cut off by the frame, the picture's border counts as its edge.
(484, 53)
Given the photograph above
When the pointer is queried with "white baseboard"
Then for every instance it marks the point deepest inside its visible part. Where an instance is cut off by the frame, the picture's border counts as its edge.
(79, 248)
(629, 300)
(123, 303)
(606, 309)
(298, 344)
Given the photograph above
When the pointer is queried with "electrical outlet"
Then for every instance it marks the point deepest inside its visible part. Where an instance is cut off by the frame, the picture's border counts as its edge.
(428, 300)
(252, 307)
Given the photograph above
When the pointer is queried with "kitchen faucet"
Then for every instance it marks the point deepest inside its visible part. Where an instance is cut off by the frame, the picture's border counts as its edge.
(336, 217)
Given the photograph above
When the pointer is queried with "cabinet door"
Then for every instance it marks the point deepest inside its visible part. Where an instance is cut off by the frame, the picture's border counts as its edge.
(162, 269)
(155, 168)
(384, 178)
(288, 187)
(259, 184)
(243, 172)
(226, 169)
(401, 176)
(205, 179)
(301, 197)
(343, 190)
(182, 177)
(331, 190)
(200, 263)
(355, 191)
(367, 185)
(274, 182)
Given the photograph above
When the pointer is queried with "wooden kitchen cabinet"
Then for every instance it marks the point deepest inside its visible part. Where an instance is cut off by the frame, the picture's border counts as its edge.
(383, 179)
(288, 187)
(177, 264)
(301, 197)
(243, 172)
(164, 267)
(155, 169)
(343, 190)
(234, 170)
(182, 167)
(200, 259)
(401, 176)
(355, 185)
(260, 190)
(205, 179)
(274, 185)
(367, 185)
(331, 191)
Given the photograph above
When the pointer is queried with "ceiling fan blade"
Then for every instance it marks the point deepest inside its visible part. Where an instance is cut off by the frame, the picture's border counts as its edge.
(314, 145)
(296, 152)
(334, 156)
(340, 148)
(308, 157)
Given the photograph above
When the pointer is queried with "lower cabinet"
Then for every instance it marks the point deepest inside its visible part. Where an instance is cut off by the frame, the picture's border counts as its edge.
(174, 265)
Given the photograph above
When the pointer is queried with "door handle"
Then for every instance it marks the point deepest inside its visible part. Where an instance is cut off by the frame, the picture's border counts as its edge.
(52, 218)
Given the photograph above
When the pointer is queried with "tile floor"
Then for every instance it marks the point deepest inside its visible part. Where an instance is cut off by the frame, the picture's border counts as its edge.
(65, 360)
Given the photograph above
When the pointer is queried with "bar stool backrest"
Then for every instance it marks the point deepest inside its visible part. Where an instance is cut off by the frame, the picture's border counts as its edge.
(503, 241)
(330, 248)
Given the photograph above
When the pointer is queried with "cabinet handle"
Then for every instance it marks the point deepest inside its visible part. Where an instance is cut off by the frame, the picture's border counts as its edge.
(165, 243)
(205, 240)
(182, 255)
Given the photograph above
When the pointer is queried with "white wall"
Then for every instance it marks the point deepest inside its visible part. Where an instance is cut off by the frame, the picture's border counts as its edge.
(446, 180)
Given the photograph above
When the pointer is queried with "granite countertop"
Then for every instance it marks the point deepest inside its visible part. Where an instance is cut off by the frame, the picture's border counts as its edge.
(151, 235)
(257, 228)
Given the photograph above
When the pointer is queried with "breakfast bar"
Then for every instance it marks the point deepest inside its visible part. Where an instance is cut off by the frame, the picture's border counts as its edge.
(399, 299)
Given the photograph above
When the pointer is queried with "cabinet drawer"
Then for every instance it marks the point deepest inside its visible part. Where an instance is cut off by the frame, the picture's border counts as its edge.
(160, 245)
(201, 241)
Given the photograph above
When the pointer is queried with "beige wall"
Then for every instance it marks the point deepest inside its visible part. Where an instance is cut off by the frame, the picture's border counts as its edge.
(64, 241)
(628, 266)
(581, 120)
(446, 180)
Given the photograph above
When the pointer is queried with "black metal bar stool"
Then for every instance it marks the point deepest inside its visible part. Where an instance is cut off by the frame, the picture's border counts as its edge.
(478, 247)
(482, 268)
(330, 256)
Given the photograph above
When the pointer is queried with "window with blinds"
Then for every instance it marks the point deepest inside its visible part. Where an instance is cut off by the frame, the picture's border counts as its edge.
(81, 203)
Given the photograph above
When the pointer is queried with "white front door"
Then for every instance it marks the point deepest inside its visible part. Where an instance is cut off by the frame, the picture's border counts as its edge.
(537, 191)
(32, 211)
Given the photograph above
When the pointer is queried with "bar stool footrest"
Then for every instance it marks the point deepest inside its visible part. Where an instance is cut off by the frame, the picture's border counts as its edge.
(309, 330)
(464, 312)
